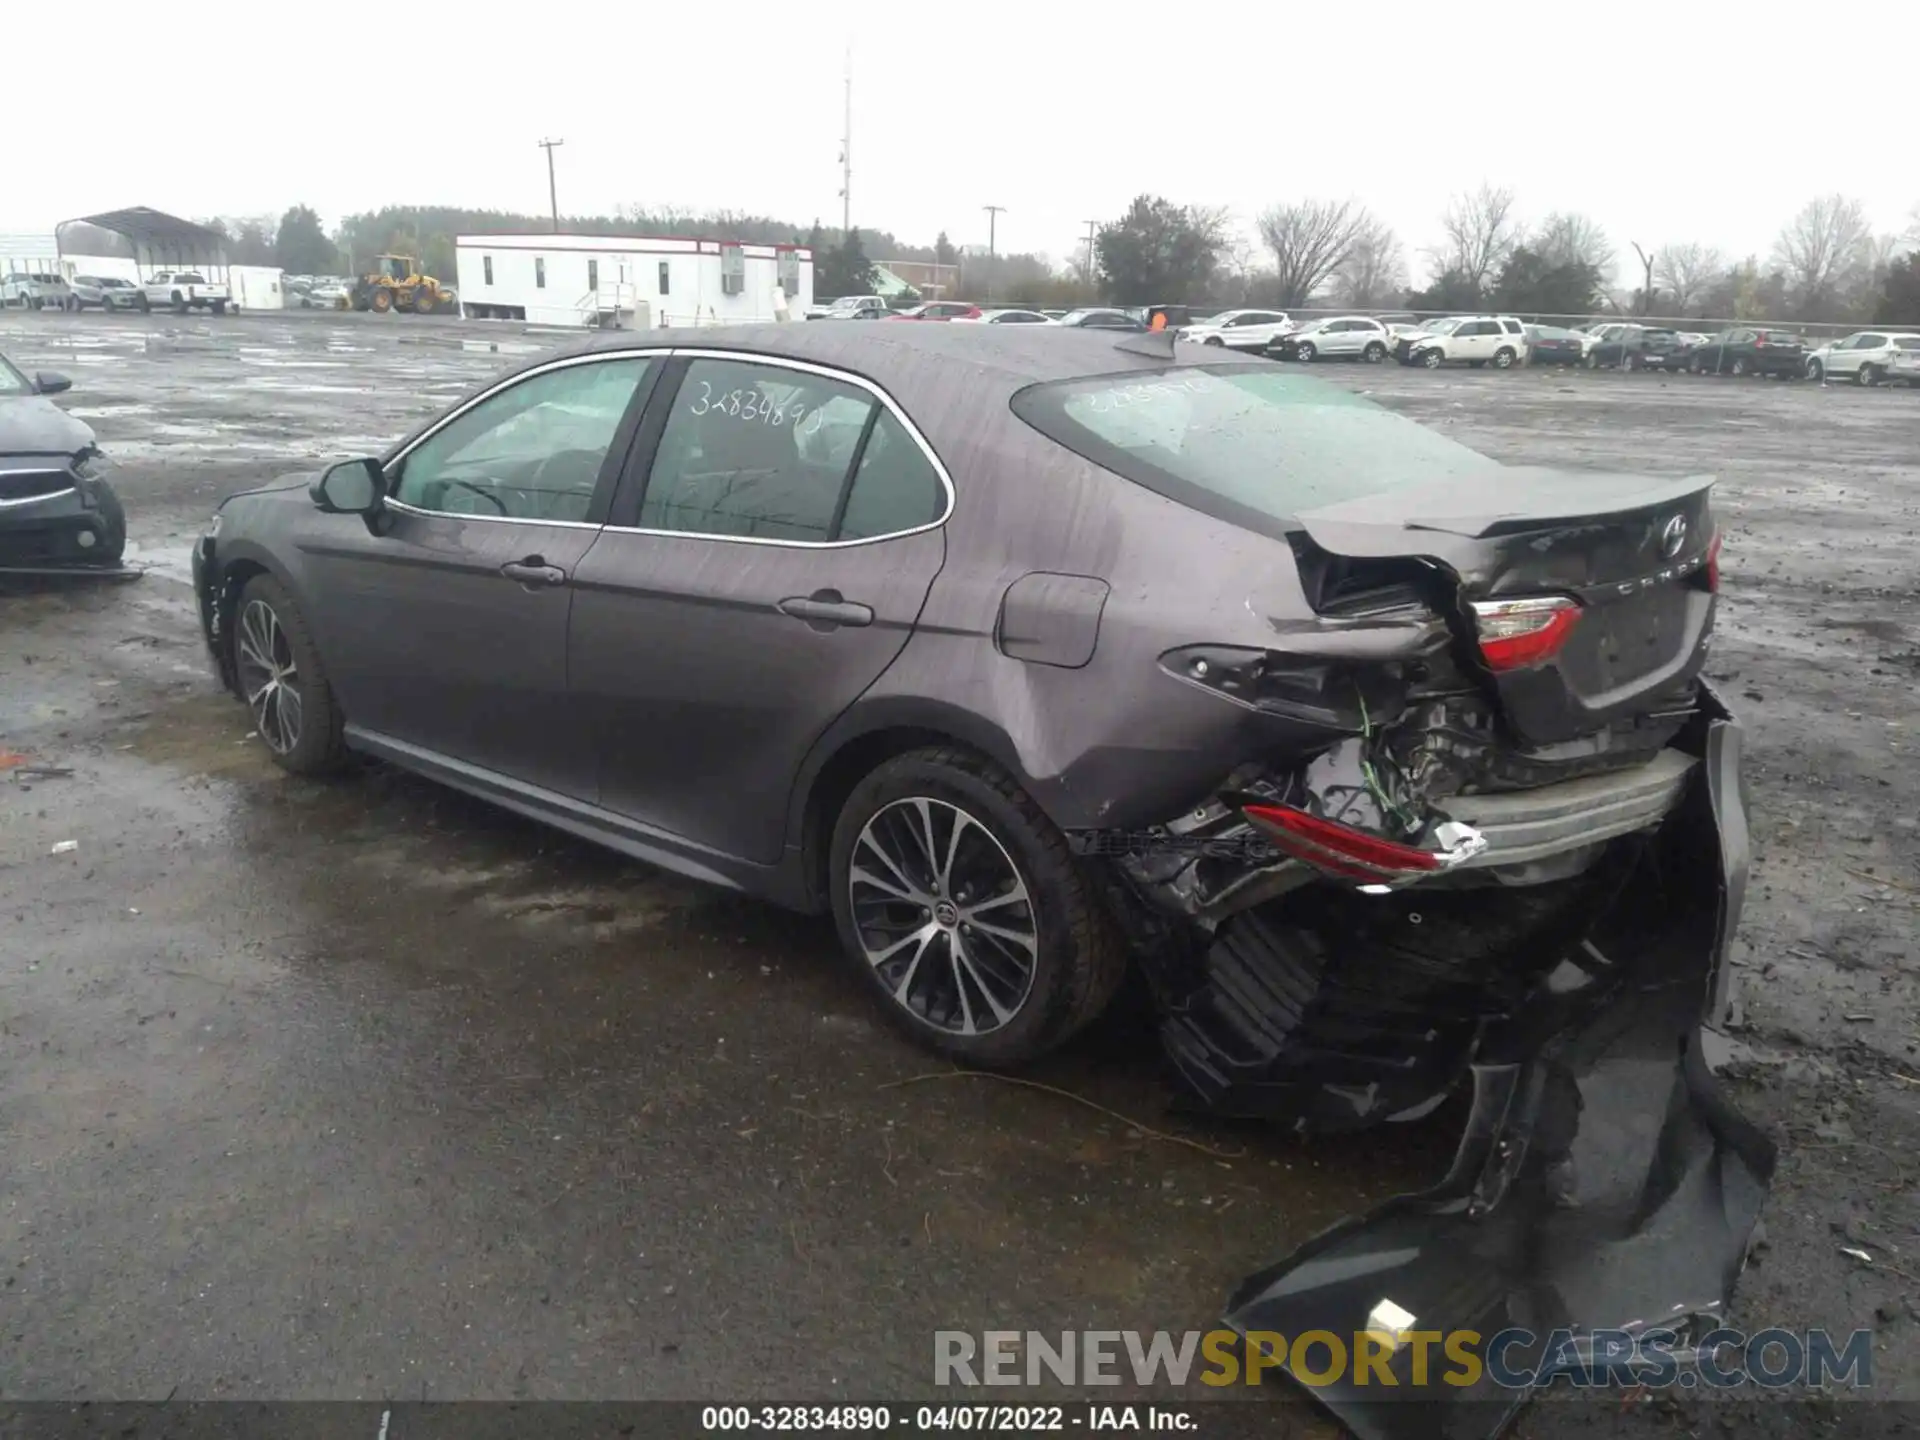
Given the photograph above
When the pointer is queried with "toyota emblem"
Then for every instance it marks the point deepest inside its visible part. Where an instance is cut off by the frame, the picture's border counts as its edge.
(1673, 536)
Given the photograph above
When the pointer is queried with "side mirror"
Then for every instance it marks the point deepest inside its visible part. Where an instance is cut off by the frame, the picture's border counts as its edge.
(51, 382)
(352, 487)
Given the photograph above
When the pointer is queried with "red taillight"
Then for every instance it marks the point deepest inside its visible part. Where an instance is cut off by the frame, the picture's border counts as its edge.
(1713, 564)
(1517, 633)
(1328, 845)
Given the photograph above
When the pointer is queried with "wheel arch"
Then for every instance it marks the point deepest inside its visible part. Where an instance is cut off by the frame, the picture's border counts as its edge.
(862, 740)
(233, 568)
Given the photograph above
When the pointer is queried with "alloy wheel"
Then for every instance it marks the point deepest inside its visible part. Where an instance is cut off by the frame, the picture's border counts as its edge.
(943, 916)
(269, 678)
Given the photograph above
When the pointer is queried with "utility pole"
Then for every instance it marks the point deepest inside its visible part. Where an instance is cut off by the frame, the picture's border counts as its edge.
(1646, 290)
(993, 216)
(846, 159)
(1092, 225)
(553, 195)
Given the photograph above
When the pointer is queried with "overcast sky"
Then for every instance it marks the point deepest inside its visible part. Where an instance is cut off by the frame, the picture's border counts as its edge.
(1688, 121)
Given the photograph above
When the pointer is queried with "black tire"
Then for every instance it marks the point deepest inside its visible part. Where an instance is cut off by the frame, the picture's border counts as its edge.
(1213, 340)
(1374, 353)
(112, 543)
(146, 305)
(1432, 359)
(317, 747)
(1305, 352)
(1592, 361)
(34, 302)
(1503, 358)
(1816, 370)
(1739, 366)
(1867, 376)
(219, 307)
(1078, 959)
(179, 303)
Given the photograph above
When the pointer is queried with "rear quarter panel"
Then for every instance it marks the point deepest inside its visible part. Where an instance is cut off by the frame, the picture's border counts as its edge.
(1115, 741)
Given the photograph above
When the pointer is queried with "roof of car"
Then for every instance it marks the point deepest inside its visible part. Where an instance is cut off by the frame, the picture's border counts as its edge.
(1017, 354)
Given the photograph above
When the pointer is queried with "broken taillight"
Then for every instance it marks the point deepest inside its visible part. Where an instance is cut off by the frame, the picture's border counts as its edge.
(1517, 633)
(1357, 854)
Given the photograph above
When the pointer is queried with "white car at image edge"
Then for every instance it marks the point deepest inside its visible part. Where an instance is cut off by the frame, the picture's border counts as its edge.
(1866, 357)
(1238, 329)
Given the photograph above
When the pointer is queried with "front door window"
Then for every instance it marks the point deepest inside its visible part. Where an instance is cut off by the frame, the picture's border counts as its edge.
(531, 452)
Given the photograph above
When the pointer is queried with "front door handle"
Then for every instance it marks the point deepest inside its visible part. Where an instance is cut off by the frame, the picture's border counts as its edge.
(534, 573)
(826, 610)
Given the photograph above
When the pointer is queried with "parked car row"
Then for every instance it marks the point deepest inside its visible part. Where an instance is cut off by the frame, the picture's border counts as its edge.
(176, 290)
(318, 292)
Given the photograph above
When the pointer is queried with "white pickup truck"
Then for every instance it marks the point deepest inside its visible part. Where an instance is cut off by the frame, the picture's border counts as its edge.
(850, 307)
(183, 290)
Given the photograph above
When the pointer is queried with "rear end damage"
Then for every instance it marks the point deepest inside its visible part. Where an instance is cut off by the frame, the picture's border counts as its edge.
(1603, 1182)
(1484, 720)
(1512, 857)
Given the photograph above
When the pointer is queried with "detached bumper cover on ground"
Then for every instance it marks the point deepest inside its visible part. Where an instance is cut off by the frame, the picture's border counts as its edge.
(1603, 1181)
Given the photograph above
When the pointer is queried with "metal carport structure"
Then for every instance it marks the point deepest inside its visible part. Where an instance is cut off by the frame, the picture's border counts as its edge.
(160, 241)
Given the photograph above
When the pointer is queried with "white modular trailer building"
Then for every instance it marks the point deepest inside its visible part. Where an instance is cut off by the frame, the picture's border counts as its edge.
(630, 280)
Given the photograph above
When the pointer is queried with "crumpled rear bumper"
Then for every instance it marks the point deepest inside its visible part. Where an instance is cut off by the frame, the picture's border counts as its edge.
(1603, 1182)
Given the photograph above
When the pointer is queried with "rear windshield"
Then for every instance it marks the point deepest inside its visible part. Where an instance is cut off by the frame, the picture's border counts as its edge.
(1253, 444)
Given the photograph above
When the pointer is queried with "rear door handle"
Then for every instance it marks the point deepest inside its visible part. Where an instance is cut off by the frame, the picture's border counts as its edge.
(826, 610)
(534, 573)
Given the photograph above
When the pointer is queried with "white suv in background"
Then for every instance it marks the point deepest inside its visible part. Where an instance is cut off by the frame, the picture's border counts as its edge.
(33, 290)
(1239, 329)
(1867, 358)
(1497, 340)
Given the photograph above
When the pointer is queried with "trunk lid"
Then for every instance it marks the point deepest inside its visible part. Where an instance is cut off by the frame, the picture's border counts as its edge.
(1636, 552)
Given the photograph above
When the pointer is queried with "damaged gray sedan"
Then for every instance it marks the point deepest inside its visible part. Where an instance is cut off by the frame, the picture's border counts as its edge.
(1037, 657)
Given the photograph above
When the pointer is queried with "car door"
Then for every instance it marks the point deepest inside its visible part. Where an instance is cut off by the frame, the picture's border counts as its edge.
(447, 632)
(765, 561)
(1473, 341)
(1340, 339)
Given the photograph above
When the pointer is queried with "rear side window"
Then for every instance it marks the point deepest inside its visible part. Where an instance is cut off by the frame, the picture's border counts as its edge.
(896, 487)
(1250, 444)
(1906, 342)
(763, 452)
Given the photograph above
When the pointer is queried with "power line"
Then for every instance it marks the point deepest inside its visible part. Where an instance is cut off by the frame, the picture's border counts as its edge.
(553, 195)
(993, 216)
(846, 158)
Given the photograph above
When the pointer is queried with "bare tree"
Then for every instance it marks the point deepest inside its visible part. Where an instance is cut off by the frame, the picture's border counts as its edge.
(1375, 270)
(1567, 238)
(1481, 231)
(1821, 250)
(1310, 241)
(1686, 270)
(1912, 232)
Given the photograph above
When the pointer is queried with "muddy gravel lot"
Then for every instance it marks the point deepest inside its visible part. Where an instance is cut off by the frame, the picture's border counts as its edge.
(365, 1090)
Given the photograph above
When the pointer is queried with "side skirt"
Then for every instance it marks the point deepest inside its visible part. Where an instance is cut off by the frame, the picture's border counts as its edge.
(775, 883)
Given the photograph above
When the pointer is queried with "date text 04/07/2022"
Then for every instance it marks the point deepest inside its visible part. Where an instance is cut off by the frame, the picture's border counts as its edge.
(876, 1419)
